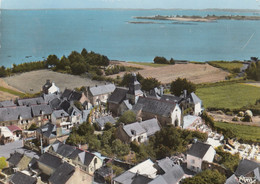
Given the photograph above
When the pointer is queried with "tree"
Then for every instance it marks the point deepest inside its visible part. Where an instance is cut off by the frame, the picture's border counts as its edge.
(206, 177)
(150, 83)
(85, 129)
(64, 62)
(33, 127)
(127, 78)
(127, 117)
(172, 62)
(160, 60)
(52, 60)
(179, 85)
(78, 68)
(3, 72)
(76, 57)
(119, 148)
(84, 53)
(3, 163)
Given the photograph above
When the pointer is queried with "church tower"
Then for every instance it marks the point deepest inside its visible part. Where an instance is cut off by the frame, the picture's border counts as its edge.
(134, 90)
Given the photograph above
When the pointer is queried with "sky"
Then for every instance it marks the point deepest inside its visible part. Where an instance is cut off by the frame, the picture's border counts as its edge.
(143, 4)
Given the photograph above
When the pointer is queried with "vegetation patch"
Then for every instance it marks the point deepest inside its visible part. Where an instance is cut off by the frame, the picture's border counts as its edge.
(231, 96)
(149, 64)
(233, 67)
(243, 132)
(13, 92)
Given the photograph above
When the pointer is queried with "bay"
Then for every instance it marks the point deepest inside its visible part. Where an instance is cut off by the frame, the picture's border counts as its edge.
(32, 35)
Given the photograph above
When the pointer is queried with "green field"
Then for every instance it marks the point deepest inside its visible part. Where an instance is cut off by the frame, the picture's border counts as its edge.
(244, 132)
(148, 64)
(232, 96)
(230, 66)
(11, 91)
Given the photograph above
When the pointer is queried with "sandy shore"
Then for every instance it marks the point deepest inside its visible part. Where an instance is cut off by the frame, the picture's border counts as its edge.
(189, 19)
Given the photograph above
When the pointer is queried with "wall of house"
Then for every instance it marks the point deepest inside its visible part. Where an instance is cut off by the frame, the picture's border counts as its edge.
(95, 164)
(209, 156)
(120, 134)
(194, 163)
(24, 162)
(53, 89)
(197, 109)
(163, 120)
(80, 176)
(45, 169)
(176, 116)
(139, 138)
(114, 108)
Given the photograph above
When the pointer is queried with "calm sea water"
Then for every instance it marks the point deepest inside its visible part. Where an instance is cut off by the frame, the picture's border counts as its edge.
(38, 33)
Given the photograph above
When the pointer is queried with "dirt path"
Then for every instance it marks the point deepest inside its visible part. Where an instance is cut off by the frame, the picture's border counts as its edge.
(197, 73)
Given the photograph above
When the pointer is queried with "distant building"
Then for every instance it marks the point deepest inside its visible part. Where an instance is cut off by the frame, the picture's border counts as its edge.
(50, 88)
(101, 122)
(21, 178)
(197, 153)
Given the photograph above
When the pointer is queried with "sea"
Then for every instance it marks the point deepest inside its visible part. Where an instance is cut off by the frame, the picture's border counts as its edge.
(32, 35)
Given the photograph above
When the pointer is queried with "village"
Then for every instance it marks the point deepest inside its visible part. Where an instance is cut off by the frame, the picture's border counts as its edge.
(42, 140)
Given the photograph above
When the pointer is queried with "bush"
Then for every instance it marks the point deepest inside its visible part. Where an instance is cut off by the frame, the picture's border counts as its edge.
(127, 117)
(160, 60)
(179, 85)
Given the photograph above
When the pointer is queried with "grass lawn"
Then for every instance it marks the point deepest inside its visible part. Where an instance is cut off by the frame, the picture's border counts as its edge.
(242, 131)
(13, 92)
(148, 64)
(232, 96)
(230, 66)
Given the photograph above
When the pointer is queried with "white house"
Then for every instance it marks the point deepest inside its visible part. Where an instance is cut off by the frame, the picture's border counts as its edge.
(198, 153)
(50, 88)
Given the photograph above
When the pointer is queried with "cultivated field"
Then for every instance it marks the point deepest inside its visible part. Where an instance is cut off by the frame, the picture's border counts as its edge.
(197, 73)
(8, 92)
(232, 96)
(32, 82)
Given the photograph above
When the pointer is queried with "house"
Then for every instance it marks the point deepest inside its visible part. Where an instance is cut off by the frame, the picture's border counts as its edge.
(49, 133)
(72, 96)
(116, 99)
(50, 88)
(59, 116)
(101, 122)
(31, 101)
(49, 97)
(21, 178)
(192, 101)
(143, 172)
(167, 113)
(76, 116)
(170, 173)
(41, 113)
(131, 132)
(6, 135)
(248, 170)
(197, 153)
(99, 94)
(138, 131)
(19, 160)
(14, 159)
(102, 173)
(8, 103)
(20, 116)
(16, 131)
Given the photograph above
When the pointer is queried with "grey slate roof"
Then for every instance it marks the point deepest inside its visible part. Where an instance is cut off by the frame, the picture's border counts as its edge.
(31, 101)
(62, 174)
(132, 178)
(198, 149)
(71, 95)
(66, 94)
(54, 103)
(174, 175)
(172, 98)
(134, 129)
(154, 106)
(65, 105)
(50, 160)
(247, 166)
(47, 130)
(60, 113)
(75, 153)
(73, 110)
(232, 180)
(86, 157)
(103, 89)
(65, 150)
(21, 178)
(38, 109)
(165, 164)
(105, 119)
(195, 99)
(127, 104)
(118, 95)
(151, 126)
(13, 113)
(49, 97)
(8, 103)
(15, 158)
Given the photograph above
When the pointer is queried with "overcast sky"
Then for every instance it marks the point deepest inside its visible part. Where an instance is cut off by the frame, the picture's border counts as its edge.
(147, 4)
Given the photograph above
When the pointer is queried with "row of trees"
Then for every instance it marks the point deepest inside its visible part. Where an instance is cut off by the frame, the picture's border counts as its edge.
(163, 60)
(253, 71)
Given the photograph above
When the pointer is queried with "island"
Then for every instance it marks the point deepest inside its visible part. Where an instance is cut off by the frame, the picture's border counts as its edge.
(195, 18)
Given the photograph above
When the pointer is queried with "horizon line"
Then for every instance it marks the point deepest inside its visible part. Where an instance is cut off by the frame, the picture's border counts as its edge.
(203, 9)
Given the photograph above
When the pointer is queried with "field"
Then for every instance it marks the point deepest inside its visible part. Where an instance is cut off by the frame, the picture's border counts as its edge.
(230, 96)
(8, 92)
(32, 82)
(197, 73)
(149, 64)
(230, 66)
(242, 131)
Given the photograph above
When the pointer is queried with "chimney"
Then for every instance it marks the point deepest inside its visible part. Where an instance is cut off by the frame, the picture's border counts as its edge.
(161, 90)
(185, 93)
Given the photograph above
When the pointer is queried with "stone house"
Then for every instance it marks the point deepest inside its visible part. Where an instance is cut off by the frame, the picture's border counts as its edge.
(167, 113)
(198, 153)
(99, 94)
(59, 116)
(50, 88)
